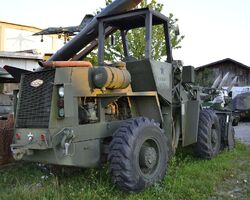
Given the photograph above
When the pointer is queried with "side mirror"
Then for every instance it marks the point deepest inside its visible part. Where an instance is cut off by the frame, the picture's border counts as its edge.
(176, 30)
(112, 40)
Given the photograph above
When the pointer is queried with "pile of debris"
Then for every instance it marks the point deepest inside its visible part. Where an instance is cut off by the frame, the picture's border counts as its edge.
(6, 135)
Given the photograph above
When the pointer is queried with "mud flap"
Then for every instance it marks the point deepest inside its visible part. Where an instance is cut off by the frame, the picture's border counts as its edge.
(231, 137)
(227, 130)
(189, 121)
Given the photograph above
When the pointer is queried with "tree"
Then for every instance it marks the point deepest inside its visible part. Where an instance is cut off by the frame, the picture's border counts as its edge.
(136, 38)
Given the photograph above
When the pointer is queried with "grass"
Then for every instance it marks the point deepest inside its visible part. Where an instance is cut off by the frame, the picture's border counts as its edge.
(187, 178)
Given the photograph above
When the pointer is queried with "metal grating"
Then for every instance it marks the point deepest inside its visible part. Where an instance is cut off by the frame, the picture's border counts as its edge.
(35, 102)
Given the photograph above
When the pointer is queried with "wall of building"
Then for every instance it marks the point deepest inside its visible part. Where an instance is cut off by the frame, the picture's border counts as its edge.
(9, 87)
(207, 75)
(16, 37)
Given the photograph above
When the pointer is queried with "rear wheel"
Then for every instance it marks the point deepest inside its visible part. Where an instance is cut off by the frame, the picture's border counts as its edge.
(138, 154)
(209, 135)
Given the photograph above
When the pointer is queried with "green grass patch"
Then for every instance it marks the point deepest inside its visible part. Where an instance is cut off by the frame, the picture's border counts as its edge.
(187, 178)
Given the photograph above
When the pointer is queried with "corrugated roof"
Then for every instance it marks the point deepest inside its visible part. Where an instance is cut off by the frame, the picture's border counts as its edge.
(222, 61)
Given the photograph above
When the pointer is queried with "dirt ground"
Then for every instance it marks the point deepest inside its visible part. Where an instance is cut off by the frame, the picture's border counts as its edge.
(237, 185)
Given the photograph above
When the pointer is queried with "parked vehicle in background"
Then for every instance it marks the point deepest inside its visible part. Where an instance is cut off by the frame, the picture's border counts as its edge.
(241, 105)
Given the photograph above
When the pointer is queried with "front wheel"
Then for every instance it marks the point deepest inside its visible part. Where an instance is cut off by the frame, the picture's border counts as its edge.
(138, 154)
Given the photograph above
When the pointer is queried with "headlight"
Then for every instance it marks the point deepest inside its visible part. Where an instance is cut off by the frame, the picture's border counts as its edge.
(61, 91)
(61, 112)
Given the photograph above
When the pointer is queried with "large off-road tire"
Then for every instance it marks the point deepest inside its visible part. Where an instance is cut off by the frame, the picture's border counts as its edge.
(209, 135)
(138, 154)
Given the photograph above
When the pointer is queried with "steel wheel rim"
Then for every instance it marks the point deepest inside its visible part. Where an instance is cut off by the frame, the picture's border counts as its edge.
(149, 156)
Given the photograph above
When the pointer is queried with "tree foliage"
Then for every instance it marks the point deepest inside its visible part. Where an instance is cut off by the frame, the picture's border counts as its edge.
(203, 78)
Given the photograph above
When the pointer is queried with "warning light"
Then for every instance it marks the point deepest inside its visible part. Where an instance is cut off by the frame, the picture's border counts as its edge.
(18, 136)
(42, 137)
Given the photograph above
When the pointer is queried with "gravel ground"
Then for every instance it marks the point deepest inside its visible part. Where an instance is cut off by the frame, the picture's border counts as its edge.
(242, 132)
(236, 186)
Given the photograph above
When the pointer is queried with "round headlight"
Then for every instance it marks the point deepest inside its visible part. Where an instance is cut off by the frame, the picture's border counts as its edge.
(61, 91)
(61, 112)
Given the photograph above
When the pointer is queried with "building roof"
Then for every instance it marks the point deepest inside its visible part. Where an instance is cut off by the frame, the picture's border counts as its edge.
(3, 71)
(21, 55)
(5, 77)
(223, 61)
(21, 25)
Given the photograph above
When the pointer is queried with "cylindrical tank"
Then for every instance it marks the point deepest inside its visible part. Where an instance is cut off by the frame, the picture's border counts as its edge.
(111, 78)
(90, 31)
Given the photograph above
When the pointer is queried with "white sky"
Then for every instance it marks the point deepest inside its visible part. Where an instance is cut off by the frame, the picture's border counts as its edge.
(213, 29)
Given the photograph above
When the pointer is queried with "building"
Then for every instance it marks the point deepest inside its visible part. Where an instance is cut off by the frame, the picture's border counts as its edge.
(20, 49)
(22, 60)
(206, 74)
(17, 37)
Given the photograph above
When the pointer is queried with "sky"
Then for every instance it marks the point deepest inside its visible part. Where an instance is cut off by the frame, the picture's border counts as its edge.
(213, 29)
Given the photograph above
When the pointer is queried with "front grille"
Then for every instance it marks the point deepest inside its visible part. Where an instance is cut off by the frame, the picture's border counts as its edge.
(35, 102)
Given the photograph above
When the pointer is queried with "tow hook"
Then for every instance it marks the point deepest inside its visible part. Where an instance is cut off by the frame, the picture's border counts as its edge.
(67, 140)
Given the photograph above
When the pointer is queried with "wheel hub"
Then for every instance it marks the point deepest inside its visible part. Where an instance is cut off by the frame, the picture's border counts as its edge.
(148, 157)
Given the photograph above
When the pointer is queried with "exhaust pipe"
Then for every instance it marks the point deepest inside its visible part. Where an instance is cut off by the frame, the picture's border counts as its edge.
(65, 64)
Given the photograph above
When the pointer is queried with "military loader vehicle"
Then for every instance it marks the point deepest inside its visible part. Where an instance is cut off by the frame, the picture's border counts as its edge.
(132, 114)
